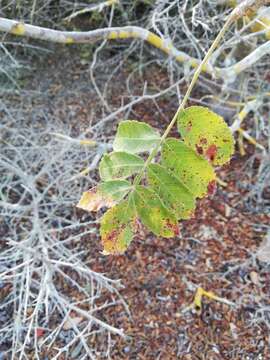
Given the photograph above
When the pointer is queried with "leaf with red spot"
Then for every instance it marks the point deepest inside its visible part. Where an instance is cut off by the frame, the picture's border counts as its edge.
(153, 213)
(206, 133)
(192, 170)
(175, 195)
(117, 227)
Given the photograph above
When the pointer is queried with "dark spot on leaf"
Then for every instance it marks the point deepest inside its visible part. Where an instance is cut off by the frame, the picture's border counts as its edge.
(189, 126)
(199, 149)
(211, 152)
(111, 241)
(174, 227)
(203, 141)
(113, 236)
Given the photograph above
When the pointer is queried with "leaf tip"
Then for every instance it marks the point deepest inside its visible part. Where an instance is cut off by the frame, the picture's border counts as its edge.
(175, 227)
(84, 200)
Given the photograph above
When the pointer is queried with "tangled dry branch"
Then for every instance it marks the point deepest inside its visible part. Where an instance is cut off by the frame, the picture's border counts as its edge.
(135, 32)
(42, 254)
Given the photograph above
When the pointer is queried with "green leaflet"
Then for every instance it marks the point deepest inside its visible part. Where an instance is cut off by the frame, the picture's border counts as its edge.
(191, 169)
(153, 214)
(105, 194)
(135, 137)
(117, 189)
(119, 165)
(206, 133)
(117, 227)
(175, 196)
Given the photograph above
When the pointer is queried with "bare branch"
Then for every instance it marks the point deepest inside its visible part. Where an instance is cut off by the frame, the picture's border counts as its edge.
(136, 32)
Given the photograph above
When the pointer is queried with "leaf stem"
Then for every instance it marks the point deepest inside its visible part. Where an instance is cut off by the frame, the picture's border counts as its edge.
(182, 105)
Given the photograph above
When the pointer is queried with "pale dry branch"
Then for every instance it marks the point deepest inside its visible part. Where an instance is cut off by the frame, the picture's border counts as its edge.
(135, 32)
(38, 256)
(96, 7)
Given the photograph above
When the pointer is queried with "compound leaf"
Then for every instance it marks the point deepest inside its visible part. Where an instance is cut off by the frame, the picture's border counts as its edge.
(117, 227)
(175, 196)
(153, 213)
(184, 174)
(206, 133)
(119, 165)
(105, 194)
(189, 168)
(135, 137)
